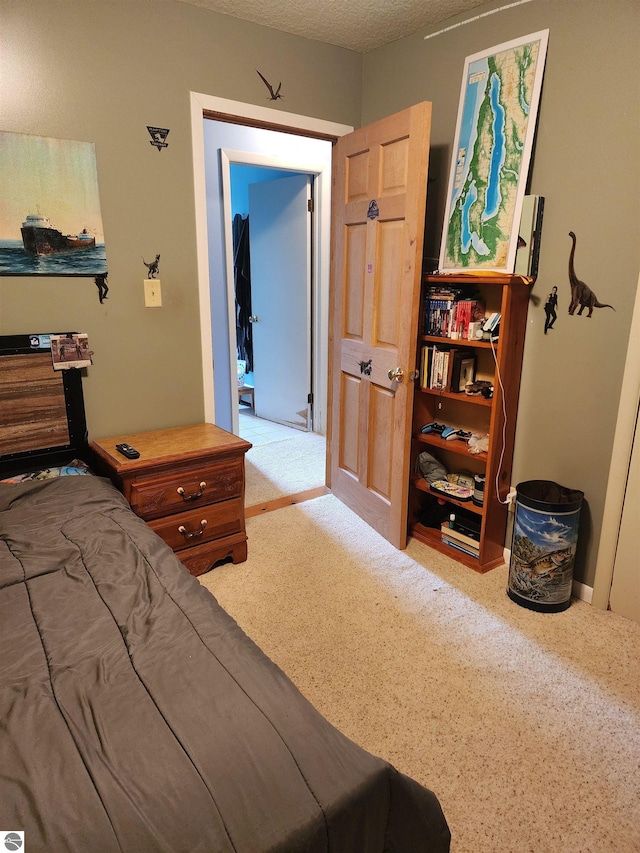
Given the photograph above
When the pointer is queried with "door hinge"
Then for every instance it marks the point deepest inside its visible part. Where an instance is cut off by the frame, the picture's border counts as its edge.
(310, 399)
(310, 205)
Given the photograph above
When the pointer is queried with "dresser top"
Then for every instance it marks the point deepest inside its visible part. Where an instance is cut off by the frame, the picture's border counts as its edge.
(168, 445)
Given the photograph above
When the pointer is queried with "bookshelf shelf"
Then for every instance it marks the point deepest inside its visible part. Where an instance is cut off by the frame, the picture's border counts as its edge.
(450, 395)
(431, 537)
(459, 447)
(484, 278)
(421, 483)
(451, 342)
(495, 417)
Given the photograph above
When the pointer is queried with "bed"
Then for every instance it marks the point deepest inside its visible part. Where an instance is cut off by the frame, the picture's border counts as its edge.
(135, 715)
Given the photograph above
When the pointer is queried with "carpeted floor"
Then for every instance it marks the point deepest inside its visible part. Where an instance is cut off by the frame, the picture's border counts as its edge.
(284, 468)
(526, 725)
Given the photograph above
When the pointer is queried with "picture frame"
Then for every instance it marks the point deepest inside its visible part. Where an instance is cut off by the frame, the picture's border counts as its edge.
(70, 351)
(50, 217)
(493, 141)
(467, 372)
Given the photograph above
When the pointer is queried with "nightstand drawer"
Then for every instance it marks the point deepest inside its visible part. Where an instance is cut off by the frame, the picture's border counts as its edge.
(188, 487)
(201, 524)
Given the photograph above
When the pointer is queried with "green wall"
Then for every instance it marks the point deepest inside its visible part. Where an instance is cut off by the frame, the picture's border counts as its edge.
(102, 71)
(586, 165)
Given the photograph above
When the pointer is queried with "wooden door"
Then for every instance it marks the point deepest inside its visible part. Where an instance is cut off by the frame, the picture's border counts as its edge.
(378, 212)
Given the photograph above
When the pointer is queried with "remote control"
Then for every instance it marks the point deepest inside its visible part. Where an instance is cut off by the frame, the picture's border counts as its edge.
(127, 450)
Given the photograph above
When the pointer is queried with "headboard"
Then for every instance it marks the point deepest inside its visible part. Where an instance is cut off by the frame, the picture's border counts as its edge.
(42, 419)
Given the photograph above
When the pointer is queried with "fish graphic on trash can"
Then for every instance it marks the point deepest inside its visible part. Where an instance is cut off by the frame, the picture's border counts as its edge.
(543, 547)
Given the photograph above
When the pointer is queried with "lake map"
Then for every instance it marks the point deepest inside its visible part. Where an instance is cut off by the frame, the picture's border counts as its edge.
(496, 123)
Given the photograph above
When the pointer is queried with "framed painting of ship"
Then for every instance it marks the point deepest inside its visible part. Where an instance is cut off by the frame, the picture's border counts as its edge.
(50, 218)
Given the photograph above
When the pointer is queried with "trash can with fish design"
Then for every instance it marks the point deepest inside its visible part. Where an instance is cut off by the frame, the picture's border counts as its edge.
(543, 547)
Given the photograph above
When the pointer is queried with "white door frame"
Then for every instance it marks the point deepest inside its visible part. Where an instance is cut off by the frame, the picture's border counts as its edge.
(619, 469)
(199, 103)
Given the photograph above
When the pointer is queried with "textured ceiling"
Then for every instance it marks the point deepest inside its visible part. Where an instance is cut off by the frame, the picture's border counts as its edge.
(360, 25)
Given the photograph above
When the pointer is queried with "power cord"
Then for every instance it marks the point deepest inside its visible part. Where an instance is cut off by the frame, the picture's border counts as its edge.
(504, 427)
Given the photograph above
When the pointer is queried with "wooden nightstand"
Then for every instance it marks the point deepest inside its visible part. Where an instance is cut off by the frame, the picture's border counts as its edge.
(188, 485)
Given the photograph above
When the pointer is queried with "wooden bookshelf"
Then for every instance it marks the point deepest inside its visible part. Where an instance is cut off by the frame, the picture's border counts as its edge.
(494, 417)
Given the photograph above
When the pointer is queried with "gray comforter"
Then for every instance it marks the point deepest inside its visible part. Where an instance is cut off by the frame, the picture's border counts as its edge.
(136, 716)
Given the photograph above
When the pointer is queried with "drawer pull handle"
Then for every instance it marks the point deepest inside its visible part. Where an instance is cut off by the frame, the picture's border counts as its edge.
(182, 529)
(194, 496)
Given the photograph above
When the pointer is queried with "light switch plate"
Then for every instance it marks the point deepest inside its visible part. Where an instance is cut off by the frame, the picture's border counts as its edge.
(152, 293)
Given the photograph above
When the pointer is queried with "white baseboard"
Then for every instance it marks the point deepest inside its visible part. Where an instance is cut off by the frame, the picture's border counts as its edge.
(578, 590)
(582, 591)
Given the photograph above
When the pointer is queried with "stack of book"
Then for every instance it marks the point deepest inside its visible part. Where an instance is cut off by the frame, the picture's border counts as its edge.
(446, 368)
(462, 531)
(462, 541)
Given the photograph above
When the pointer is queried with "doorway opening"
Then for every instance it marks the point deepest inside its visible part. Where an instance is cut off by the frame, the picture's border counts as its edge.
(291, 136)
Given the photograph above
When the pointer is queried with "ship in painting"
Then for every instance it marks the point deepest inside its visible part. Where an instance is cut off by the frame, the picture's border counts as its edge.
(41, 238)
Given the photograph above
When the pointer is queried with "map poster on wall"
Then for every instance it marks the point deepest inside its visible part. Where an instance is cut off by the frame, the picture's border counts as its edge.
(492, 149)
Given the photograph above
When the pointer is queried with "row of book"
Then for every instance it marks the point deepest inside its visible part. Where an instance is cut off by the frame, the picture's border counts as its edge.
(451, 313)
(446, 369)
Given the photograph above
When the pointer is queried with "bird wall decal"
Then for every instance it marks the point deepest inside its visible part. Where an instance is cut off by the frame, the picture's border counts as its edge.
(274, 95)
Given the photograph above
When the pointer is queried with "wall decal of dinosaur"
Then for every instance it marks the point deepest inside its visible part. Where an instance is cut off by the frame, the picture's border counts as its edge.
(153, 267)
(275, 94)
(581, 294)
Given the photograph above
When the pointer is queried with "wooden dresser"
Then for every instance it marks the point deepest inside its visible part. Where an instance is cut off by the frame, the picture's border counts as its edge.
(188, 485)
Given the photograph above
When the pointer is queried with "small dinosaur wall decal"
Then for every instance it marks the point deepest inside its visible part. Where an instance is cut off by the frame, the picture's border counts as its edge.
(581, 294)
(274, 94)
(153, 267)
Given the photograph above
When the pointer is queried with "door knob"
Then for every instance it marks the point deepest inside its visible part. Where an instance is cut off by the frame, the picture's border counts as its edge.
(398, 374)
(253, 318)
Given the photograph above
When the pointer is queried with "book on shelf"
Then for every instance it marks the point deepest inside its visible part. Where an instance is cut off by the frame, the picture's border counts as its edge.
(439, 302)
(466, 549)
(446, 368)
(426, 359)
(437, 317)
(465, 312)
(438, 369)
(463, 538)
(448, 311)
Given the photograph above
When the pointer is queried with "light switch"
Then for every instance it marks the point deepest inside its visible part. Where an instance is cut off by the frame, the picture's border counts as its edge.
(152, 293)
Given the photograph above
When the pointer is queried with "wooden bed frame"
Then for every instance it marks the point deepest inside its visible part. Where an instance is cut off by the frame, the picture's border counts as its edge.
(29, 386)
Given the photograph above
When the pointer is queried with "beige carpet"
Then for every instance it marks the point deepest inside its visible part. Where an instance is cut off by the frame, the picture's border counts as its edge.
(284, 468)
(526, 725)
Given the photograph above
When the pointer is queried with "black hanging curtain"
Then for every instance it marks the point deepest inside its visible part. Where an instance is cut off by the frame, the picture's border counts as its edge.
(242, 280)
